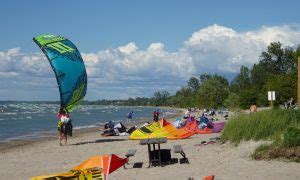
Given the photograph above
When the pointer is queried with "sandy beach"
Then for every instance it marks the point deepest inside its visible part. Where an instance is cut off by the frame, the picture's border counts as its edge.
(22, 160)
(99, 70)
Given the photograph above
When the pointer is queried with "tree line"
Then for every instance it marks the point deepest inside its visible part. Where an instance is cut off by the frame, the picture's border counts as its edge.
(275, 71)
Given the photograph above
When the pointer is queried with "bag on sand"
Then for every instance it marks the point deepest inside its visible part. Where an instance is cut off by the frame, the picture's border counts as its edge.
(165, 155)
(130, 130)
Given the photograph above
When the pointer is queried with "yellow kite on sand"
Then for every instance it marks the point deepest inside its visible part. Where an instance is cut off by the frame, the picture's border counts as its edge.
(160, 129)
(86, 174)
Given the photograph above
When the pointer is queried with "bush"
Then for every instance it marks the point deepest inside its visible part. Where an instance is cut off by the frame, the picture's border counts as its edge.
(232, 101)
(274, 151)
(261, 152)
(291, 137)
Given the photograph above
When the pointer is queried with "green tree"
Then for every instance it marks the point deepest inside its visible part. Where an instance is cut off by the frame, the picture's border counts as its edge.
(248, 97)
(278, 60)
(232, 101)
(130, 102)
(259, 76)
(285, 87)
(241, 81)
(221, 79)
(193, 84)
(184, 97)
(160, 97)
(204, 77)
(212, 93)
(275, 61)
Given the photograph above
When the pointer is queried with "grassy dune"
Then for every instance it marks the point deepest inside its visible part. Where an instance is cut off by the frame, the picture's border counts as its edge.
(266, 125)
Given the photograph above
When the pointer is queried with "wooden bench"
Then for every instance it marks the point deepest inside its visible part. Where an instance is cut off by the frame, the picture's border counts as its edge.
(130, 153)
(178, 149)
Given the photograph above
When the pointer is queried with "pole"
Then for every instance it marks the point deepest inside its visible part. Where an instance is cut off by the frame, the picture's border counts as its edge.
(271, 103)
(298, 84)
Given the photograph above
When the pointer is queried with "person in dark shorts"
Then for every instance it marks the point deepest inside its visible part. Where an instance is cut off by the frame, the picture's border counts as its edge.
(63, 119)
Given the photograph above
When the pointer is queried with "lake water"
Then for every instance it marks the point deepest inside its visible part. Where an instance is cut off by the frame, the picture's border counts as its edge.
(21, 121)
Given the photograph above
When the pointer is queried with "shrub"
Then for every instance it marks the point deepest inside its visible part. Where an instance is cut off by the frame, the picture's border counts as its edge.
(291, 137)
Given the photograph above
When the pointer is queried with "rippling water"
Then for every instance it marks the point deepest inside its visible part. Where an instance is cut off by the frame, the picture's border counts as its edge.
(20, 121)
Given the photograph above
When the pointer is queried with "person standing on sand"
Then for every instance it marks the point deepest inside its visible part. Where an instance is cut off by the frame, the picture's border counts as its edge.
(63, 119)
(253, 108)
(187, 114)
(129, 116)
(156, 115)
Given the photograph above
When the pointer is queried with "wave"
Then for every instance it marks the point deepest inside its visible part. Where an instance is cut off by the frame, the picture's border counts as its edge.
(41, 117)
(168, 112)
(9, 113)
(83, 127)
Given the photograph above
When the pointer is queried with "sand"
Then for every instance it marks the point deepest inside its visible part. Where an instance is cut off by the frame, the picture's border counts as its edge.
(22, 160)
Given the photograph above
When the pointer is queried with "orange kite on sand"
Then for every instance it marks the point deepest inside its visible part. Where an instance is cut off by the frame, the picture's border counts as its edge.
(109, 163)
(96, 167)
(211, 177)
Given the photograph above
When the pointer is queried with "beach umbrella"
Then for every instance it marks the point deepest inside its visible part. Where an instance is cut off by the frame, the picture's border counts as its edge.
(108, 163)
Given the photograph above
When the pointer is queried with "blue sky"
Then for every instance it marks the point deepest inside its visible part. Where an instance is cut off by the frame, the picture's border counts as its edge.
(103, 24)
(126, 36)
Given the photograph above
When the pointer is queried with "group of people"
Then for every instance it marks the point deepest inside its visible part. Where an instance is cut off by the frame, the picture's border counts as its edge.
(195, 111)
(290, 104)
(190, 114)
(156, 114)
(112, 129)
(64, 125)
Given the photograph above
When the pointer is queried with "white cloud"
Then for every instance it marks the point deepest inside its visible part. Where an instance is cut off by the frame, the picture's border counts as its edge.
(129, 48)
(156, 47)
(289, 35)
(15, 62)
(222, 49)
(128, 71)
(13, 52)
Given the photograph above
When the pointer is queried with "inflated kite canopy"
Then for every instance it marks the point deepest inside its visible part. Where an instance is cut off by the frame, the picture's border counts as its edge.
(68, 67)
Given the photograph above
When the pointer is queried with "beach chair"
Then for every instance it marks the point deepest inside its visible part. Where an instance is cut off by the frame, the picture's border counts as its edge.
(178, 149)
(130, 153)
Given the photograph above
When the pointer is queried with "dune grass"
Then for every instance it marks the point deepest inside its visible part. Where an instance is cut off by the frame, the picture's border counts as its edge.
(263, 125)
(266, 125)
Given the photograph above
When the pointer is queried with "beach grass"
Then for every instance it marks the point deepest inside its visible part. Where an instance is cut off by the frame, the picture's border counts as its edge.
(268, 125)
(263, 125)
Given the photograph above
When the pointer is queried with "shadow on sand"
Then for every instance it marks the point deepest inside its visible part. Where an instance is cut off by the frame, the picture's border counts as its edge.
(99, 141)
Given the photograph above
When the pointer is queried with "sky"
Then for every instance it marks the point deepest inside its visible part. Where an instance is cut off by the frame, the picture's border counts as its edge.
(132, 48)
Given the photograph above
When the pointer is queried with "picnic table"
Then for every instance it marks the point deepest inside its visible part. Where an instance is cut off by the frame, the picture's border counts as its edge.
(154, 142)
